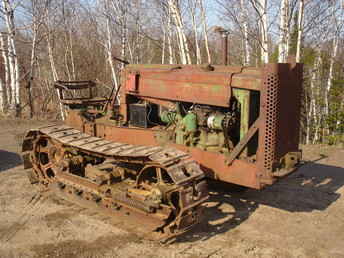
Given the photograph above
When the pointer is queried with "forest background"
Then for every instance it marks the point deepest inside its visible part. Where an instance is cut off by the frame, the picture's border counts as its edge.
(42, 41)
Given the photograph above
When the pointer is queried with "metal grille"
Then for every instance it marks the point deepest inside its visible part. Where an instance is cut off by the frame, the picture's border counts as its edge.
(271, 85)
(281, 96)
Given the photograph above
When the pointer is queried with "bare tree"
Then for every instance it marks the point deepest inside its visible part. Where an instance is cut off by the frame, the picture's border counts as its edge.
(299, 30)
(5, 85)
(283, 46)
(244, 20)
(8, 10)
(205, 29)
(49, 39)
(261, 8)
(178, 22)
(193, 5)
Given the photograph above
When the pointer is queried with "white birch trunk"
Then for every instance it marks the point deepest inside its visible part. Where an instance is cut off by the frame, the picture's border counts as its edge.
(284, 32)
(52, 63)
(131, 54)
(183, 45)
(120, 9)
(138, 32)
(316, 112)
(12, 55)
(246, 45)
(261, 7)
(179, 36)
(2, 96)
(299, 31)
(12, 83)
(169, 38)
(5, 91)
(194, 26)
(163, 46)
(265, 48)
(72, 54)
(32, 66)
(330, 76)
(205, 30)
(55, 75)
(123, 32)
(109, 55)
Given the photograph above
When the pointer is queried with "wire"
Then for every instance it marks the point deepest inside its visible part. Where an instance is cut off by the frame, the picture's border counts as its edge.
(149, 112)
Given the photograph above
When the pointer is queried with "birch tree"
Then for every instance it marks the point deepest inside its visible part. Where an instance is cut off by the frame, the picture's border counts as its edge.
(337, 24)
(8, 12)
(2, 96)
(120, 9)
(283, 46)
(178, 22)
(5, 90)
(193, 11)
(49, 39)
(37, 11)
(108, 47)
(299, 30)
(166, 20)
(244, 20)
(312, 115)
(330, 76)
(205, 29)
(261, 8)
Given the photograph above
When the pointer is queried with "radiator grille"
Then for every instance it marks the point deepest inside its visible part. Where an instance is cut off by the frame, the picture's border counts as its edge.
(271, 85)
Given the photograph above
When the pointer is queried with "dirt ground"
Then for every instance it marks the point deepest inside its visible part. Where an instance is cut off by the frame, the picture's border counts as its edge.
(300, 216)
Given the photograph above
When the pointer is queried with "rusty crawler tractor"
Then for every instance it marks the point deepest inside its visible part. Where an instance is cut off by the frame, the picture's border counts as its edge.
(148, 157)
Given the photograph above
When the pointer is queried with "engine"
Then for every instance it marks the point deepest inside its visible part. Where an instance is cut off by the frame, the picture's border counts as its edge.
(207, 127)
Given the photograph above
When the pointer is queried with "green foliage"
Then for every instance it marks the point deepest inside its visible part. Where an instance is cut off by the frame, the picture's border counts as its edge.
(336, 116)
(337, 139)
(308, 56)
(274, 55)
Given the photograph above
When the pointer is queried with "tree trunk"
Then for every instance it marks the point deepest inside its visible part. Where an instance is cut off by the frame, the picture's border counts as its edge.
(32, 69)
(123, 32)
(183, 45)
(261, 8)
(299, 31)
(315, 79)
(6, 100)
(329, 81)
(12, 55)
(246, 46)
(52, 64)
(193, 7)
(284, 32)
(163, 46)
(2, 97)
(169, 38)
(205, 30)
(109, 55)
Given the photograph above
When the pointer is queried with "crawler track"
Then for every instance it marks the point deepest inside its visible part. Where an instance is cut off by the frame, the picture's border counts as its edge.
(159, 190)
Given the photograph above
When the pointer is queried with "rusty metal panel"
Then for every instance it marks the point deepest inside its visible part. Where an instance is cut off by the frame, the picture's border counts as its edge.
(289, 109)
(180, 86)
(280, 109)
(131, 83)
(204, 85)
(214, 164)
(74, 119)
(89, 128)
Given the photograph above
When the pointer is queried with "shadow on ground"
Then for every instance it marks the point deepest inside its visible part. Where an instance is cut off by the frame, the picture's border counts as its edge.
(313, 187)
(9, 160)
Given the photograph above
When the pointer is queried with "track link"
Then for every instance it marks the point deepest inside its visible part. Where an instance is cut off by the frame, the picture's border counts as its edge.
(179, 206)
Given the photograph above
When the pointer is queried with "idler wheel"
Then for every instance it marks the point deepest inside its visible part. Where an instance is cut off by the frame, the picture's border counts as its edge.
(47, 158)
